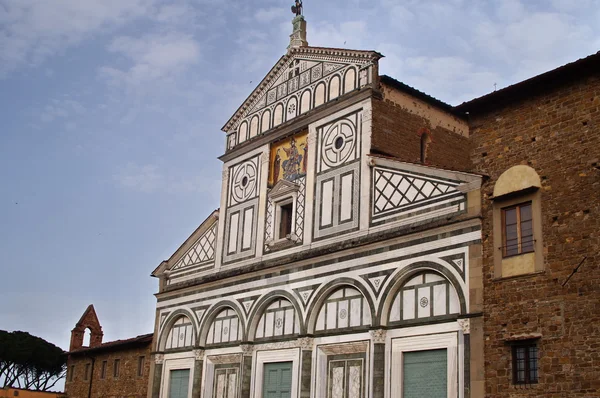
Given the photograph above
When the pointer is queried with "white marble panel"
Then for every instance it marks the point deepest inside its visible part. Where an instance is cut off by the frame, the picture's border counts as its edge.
(254, 127)
(424, 302)
(327, 203)
(265, 123)
(347, 198)
(343, 314)
(395, 310)
(269, 320)
(331, 315)
(408, 304)
(320, 94)
(454, 302)
(278, 115)
(289, 321)
(350, 80)
(233, 232)
(247, 236)
(334, 87)
(305, 102)
(355, 308)
(439, 300)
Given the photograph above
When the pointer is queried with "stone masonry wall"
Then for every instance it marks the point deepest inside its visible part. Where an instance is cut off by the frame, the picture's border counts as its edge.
(557, 134)
(398, 122)
(128, 384)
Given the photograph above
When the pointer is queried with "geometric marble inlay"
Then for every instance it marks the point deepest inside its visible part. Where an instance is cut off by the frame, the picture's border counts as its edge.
(394, 190)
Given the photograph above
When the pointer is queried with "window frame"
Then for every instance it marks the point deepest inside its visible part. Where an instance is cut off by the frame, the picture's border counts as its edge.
(527, 345)
(103, 368)
(71, 373)
(116, 368)
(530, 263)
(86, 374)
(141, 365)
(519, 228)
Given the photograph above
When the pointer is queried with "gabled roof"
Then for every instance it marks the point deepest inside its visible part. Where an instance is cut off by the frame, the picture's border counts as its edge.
(204, 226)
(537, 84)
(334, 54)
(137, 341)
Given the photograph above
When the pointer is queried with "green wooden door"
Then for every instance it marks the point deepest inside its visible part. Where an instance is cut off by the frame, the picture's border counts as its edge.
(180, 381)
(277, 380)
(425, 374)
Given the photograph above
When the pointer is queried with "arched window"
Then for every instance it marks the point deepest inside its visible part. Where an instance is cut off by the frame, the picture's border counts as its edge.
(181, 334)
(427, 295)
(225, 328)
(279, 319)
(87, 336)
(344, 308)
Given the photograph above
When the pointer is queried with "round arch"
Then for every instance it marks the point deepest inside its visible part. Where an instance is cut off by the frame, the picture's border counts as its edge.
(212, 313)
(405, 274)
(168, 324)
(327, 290)
(263, 303)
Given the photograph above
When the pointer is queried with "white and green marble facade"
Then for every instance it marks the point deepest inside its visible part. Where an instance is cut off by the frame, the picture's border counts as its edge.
(378, 262)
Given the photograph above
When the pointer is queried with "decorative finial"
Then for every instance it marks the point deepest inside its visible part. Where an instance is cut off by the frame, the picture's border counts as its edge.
(298, 36)
(297, 8)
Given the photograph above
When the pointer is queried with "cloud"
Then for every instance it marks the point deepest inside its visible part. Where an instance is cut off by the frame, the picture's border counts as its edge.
(31, 30)
(266, 15)
(61, 109)
(152, 57)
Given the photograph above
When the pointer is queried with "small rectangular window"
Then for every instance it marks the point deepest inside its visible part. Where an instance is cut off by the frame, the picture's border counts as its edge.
(285, 220)
(141, 362)
(103, 370)
(517, 230)
(525, 363)
(71, 372)
(86, 376)
(116, 368)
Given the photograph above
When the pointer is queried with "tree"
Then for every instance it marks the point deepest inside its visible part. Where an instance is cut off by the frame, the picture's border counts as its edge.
(30, 362)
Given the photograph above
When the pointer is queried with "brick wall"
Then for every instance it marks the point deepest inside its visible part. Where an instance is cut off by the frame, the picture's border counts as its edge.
(128, 384)
(398, 122)
(557, 134)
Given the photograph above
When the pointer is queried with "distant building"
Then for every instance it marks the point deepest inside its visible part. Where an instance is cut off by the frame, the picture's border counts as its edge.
(21, 393)
(373, 241)
(114, 369)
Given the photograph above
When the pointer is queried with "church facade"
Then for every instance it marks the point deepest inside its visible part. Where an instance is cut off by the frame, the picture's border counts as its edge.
(345, 260)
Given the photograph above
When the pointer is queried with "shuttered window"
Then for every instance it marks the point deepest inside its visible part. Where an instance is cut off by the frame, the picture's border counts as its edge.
(179, 383)
(277, 380)
(425, 374)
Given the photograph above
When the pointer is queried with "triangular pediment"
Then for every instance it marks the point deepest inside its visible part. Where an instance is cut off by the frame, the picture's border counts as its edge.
(283, 188)
(281, 94)
(198, 249)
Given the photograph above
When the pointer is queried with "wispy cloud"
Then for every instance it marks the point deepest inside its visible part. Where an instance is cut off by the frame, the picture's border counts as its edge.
(152, 57)
(31, 30)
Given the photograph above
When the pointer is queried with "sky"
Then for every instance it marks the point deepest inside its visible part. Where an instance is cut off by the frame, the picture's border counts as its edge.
(110, 118)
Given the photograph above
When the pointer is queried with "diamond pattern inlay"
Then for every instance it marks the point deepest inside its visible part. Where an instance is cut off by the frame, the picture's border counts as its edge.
(395, 190)
(203, 250)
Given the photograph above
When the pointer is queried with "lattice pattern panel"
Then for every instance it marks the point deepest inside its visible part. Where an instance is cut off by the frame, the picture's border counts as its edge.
(202, 251)
(300, 206)
(269, 222)
(395, 190)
